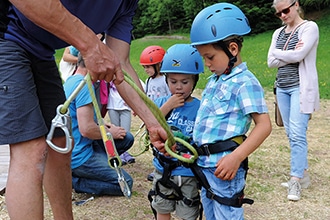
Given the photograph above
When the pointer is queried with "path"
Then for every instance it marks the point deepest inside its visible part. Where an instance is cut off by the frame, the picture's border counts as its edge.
(4, 163)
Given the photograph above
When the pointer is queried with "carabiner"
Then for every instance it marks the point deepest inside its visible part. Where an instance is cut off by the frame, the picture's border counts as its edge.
(121, 180)
(62, 121)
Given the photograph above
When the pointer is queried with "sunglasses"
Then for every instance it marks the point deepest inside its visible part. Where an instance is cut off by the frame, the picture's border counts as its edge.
(285, 11)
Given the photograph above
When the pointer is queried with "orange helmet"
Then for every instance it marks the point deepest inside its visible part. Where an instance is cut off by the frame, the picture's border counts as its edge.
(152, 55)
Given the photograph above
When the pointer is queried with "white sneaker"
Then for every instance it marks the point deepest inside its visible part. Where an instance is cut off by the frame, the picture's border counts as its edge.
(304, 182)
(294, 190)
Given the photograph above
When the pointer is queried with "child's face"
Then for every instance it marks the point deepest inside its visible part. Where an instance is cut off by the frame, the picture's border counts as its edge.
(181, 84)
(149, 69)
(215, 59)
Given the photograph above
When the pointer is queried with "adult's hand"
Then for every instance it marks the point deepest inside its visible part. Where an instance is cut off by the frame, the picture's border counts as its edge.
(102, 63)
(157, 137)
(117, 132)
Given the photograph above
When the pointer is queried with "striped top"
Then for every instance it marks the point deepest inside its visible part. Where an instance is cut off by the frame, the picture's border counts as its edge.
(288, 75)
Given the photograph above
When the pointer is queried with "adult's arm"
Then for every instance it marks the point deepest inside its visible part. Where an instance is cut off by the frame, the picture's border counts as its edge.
(88, 128)
(52, 16)
(122, 50)
(272, 60)
(156, 133)
(308, 39)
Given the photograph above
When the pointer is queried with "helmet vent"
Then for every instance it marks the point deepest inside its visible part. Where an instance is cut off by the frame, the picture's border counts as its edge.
(214, 30)
(196, 65)
(193, 52)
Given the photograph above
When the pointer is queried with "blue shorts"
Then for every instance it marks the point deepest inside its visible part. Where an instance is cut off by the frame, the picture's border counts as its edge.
(30, 91)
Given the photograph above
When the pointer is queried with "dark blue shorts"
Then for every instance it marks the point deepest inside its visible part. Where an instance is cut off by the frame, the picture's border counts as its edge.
(30, 91)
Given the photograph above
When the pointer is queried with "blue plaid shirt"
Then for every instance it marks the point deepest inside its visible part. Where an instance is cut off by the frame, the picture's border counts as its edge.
(226, 106)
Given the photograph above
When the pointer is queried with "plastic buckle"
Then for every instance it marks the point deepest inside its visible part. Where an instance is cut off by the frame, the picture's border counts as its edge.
(206, 149)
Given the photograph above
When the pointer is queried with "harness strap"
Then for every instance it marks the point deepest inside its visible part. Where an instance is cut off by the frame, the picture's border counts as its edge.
(169, 165)
(236, 201)
(150, 195)
(220, 146)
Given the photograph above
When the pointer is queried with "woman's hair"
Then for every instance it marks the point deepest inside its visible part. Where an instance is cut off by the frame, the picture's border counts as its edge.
(300, 10)
(157, 68)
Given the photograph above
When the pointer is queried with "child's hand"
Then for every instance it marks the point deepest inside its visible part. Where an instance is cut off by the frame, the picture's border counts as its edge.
(227, 167)
(176, 100)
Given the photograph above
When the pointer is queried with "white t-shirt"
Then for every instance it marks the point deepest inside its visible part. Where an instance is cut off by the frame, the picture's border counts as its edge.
(157, 87)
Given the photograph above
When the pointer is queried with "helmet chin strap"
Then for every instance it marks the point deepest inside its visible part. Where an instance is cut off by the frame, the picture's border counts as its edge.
(232, 59)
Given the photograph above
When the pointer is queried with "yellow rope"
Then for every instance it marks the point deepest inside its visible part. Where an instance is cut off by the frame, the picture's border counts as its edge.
(106, 136)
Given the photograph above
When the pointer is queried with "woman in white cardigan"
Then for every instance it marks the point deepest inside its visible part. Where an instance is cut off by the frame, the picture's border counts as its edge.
(293, 52)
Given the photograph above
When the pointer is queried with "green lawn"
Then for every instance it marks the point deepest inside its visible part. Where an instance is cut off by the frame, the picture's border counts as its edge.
(254, 52)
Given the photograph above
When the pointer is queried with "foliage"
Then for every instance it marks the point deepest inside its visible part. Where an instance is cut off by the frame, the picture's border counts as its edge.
(155, 17)
(311, 5)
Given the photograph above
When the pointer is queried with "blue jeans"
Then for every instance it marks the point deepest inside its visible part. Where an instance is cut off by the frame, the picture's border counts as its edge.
(215, 210)
(295, 124)
(95, 176)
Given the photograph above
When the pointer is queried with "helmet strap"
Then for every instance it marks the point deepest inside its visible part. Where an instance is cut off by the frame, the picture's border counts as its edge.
(232, 59)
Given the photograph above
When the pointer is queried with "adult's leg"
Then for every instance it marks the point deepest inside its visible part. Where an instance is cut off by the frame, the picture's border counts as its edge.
(96, 177)
(57, 177)
(125, 144)
(295, 124)
(22, 126)
(24, 193)
(57, 181)
(298, 137)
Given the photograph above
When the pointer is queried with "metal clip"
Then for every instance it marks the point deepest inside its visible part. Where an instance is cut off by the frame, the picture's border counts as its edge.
(62, 121)
(121, 180)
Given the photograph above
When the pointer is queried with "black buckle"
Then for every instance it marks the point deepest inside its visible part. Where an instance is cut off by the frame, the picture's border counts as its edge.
(206, 149)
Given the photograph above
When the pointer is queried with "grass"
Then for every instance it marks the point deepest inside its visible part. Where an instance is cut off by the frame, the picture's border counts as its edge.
(254, 52)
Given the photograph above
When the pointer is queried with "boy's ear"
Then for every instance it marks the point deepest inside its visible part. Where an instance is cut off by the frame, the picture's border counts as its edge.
(233, 48)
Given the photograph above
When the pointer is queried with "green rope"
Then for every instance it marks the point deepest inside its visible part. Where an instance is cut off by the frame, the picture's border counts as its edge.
(162, 121)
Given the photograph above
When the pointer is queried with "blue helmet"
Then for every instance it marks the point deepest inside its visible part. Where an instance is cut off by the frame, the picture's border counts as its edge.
(182, 58)
(217, 22)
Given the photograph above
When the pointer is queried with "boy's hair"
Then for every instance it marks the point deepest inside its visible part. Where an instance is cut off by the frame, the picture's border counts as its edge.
(236, 39)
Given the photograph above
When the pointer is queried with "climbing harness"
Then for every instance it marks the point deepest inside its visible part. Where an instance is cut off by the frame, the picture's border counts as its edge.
(166, 180)
(228, 145)
(62, 120)
(190, 159)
